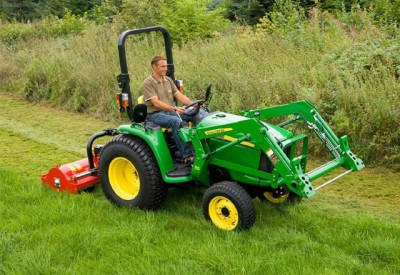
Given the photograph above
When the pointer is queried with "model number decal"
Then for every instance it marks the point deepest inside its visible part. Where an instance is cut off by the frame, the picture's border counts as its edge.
(216, 131)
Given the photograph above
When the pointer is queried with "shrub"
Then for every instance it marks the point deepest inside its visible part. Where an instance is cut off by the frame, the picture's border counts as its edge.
(190, 20)
(138, 14)
(380, 54)
(69, 24)
(12, 33)
(387, 11)
(185, 19)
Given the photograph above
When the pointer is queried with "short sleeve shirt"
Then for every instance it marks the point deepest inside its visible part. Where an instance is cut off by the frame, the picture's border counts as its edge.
(164, 90)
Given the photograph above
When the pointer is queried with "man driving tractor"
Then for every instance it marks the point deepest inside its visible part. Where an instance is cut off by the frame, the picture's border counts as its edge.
(159, 92)
(237, 156)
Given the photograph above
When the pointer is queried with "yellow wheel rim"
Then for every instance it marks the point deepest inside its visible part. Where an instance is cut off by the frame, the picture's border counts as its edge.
(223, 213)
(124, 178)
(270, 197)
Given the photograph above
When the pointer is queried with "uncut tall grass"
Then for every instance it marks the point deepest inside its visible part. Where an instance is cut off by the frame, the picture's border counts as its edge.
(249, 69)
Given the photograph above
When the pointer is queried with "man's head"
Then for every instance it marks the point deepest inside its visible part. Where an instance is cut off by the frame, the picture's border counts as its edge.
(159, 65)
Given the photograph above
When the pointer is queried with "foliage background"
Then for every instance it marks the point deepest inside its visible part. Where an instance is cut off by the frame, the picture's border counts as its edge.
(344, 58)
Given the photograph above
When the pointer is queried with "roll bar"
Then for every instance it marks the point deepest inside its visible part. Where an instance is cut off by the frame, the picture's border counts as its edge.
(123, 78)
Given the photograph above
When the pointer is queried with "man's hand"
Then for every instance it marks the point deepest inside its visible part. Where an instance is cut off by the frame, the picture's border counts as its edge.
(180, 110)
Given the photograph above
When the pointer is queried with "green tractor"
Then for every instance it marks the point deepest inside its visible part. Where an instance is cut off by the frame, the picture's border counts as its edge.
(237, 157)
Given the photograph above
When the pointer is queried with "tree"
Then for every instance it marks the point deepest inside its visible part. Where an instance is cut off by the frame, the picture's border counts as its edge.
(23, 10)
(247, 11)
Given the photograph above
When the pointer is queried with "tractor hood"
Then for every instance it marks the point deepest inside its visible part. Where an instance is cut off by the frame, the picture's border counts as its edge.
(219, 122)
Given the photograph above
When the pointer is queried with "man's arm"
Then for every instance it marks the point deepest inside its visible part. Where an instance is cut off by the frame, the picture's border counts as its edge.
(165, 107)
(161, 105)
(182, 98)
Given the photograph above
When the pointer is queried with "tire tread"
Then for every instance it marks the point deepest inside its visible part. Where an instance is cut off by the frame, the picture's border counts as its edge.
(157, 189)
(239, 196)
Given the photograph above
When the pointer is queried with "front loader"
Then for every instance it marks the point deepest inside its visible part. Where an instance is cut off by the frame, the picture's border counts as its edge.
(237, 157)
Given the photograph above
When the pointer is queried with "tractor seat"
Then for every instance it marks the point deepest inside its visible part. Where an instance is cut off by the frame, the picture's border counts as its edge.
(140, 100)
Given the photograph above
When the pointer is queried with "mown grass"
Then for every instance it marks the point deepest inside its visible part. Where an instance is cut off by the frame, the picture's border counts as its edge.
(45, 231)
(351, 226)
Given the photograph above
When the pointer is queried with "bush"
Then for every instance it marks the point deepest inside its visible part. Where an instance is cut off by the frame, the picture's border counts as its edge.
(363, 57)
(189, 20)
(12, 33)
(185, 19)
(69, 24)
(387, 11)
(138, 14)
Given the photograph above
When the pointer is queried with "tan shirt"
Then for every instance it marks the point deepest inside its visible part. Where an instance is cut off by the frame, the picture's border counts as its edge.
(164, 90)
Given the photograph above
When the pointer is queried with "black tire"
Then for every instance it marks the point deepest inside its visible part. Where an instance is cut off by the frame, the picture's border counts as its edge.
(228, 206)
(90, 189)
(254, 192)
(130, 175)
(281, 195)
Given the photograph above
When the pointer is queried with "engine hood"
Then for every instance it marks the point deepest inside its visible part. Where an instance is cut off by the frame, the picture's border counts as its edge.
(222, 119)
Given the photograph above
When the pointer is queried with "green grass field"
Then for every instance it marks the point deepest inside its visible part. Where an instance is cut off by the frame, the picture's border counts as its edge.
(351, 226)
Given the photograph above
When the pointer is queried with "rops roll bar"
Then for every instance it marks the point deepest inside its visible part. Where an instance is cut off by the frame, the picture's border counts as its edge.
(123, 78)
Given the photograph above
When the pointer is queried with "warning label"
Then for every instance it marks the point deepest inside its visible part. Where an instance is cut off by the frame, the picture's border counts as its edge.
(274, 159)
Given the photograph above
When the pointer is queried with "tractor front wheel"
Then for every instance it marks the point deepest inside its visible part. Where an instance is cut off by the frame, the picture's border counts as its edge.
(129, 174)
(228, 206)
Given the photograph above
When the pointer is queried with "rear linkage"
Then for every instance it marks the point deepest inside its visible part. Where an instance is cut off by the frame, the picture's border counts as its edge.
(81, 174)
(89, 149)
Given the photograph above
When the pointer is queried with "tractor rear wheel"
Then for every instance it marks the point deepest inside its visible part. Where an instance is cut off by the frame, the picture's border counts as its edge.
(280, 195)
(129, 174)
(228, 206)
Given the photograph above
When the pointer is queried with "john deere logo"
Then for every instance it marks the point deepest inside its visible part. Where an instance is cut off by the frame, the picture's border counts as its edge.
(216, 131)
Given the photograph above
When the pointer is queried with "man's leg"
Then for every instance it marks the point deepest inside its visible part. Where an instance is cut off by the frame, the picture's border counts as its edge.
(195, 118)
(170, 120)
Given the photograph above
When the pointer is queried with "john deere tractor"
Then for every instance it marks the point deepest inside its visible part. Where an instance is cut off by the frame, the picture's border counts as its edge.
(237, 157)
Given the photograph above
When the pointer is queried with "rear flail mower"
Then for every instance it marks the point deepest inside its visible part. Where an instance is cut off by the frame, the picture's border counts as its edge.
(237, 157)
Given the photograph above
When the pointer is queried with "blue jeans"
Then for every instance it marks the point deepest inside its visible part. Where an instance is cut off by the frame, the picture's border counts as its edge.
(171, 120)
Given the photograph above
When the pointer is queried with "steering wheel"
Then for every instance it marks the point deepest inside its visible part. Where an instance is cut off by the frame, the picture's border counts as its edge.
(190, 110)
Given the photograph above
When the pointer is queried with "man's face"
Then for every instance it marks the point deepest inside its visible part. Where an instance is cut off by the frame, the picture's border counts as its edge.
(160, 69)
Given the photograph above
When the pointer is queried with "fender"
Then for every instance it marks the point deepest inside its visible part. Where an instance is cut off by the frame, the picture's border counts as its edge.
(156, 141)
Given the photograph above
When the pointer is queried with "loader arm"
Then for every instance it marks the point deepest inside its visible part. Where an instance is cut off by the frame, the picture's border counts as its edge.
(303, 111)
(252, 130)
